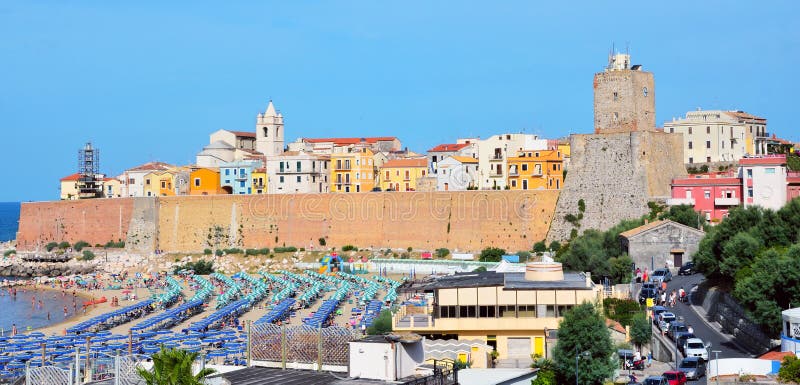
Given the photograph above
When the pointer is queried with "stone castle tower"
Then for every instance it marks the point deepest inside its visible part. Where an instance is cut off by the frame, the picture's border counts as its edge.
(626, 163)
(269, 131)
(624, 97)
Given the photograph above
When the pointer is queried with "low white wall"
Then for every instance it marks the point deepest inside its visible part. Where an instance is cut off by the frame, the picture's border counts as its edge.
(729, 366)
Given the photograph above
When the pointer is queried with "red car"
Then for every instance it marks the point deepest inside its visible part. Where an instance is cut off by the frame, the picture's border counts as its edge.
(675, 377)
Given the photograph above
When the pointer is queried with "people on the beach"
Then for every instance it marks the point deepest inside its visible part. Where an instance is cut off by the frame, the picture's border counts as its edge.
(13, 329)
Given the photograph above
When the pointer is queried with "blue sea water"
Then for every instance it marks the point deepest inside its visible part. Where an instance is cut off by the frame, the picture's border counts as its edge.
(9, 220)
(19, 310)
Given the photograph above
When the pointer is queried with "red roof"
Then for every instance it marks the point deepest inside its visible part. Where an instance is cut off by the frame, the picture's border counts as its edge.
(71, 177)
(152, 166)
(775, 356)
(397, 163)
(244, 134)
(707, 181)
(346, 141)
(766, 160)
(449, 147)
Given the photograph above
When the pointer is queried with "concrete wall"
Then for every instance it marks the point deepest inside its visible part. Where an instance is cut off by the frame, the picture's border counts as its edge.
(94, 221)
(463, 221)
(652, 249)
(616, 175)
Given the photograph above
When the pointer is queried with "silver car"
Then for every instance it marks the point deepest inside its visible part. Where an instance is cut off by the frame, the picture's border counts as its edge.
(693, 367)
(661, 275)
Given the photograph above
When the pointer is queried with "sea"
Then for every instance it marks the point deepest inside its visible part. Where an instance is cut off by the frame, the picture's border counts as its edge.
(18, 310)
(9, 220)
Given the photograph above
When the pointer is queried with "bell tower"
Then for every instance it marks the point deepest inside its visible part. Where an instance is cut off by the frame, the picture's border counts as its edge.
(269, 131)
(624, 97)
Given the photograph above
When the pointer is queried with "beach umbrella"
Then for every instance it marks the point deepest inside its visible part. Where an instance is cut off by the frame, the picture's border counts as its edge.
(64, 359)
(15, 365)
(192, 342)
(217, 353)
(36, 334)
(6, 373)
(4, 359)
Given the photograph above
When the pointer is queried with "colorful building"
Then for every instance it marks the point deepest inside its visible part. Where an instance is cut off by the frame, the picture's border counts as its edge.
(456, 173)
(133, 182)
(69, 187)
(713, 195)
(462, 147)
(510, 311)
(353, 170)
(112, 188)
(493, 154)
(536, 170)
(237, 177)
(204, 181)
(298, 172)
(260, 180)
(402, 174)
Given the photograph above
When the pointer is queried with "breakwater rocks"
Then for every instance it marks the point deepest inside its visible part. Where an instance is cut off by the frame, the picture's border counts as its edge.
(26, 269)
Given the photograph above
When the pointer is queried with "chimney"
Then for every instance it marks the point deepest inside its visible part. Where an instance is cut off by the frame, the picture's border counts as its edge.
(588, 275)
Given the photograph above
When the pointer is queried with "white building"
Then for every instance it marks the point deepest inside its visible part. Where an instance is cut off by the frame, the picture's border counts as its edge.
(462, 147)
(298, 172)
(456, 173)
(269, 131)
(133, 178)
(764, 181)
(493, 154)
(719, 136)
(216, 153)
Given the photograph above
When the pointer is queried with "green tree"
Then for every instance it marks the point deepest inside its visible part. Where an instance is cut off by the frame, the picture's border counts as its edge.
(540, 247)
(641, 330)
(685, 215)
(50, 246)
(555, 246)
(442, 252)
(790, 370)
(173, 367)
(790, 215)
(620, 269)
(524, 256)
(583, 329)
(738, 252)
(382, 323)
(546, 374)
(492, 254)
(80, 245)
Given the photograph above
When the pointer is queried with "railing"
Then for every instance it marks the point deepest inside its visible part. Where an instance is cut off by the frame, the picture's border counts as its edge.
(680, 201)
(497, 157)
(727, 201)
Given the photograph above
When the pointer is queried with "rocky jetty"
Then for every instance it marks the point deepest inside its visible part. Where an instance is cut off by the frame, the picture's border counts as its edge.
(17, 268)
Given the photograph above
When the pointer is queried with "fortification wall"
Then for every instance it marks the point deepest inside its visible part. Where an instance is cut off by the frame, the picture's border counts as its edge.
(464, 221)
(94, 221)
(468, 220)
(616, 174)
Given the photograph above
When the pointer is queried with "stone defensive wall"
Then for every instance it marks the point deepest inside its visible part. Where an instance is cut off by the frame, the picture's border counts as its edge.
(463, 221)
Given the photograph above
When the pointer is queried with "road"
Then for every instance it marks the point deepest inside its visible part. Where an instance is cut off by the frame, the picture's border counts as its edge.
(702, 329)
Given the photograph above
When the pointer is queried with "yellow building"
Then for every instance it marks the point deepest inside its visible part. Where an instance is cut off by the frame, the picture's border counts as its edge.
(260, 181)
(536, 169)
(204, 181)
(352, 170)
(159, 184)
(510, 311)
(402, 174)
(112, 188)
(69, 187)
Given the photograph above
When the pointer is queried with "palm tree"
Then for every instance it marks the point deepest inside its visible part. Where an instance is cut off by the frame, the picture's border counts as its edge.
(173, 367)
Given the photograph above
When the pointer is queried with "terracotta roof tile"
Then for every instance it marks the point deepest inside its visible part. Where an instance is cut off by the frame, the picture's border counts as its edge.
(346, 141)
(71, 177)
(244, 134)
(447, 147)
(152, 166)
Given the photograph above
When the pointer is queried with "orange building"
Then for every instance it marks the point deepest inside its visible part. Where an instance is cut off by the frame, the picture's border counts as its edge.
(204, 181)
(402, 174)
(352, 170)
(536, 169)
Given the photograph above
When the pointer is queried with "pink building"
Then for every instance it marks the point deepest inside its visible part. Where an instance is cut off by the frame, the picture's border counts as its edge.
(712, 194)
(760, 181)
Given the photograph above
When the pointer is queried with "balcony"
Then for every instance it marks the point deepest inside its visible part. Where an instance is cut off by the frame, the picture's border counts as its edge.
(680, 201)
(288, 171)
(727, 201)
(496, 157)
(495, 174)
(513, 173)
(342, 168)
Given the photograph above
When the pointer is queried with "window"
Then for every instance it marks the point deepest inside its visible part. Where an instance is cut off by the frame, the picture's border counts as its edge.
(562, 309)
(467, 311)
(707, 194)
(555, 167)
(241, 184)
(387, 175)
(524, 167)
(163, 184)
(513, 183)
(281, 179)
(644, 91)
(507, 311)
(550, 311)
(708, 159)
(672, 130)
(770, 170)
(690, 147)
(486, 311)
(708, 130)
(750, 192)
(691, 160)
(298, 179)
(298, 166)
(708, 144)
(615, 96)
(447, 312)
(690, 130)
(147, 181)
(749, 172)
(527, 311)
(241, 172)
(616, 116)
(524, 184)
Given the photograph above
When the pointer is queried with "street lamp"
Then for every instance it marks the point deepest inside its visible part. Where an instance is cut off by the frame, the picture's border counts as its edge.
(716, 359)
(584, 353)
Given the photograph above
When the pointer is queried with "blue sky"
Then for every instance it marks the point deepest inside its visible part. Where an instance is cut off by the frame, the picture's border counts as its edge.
(150, 80)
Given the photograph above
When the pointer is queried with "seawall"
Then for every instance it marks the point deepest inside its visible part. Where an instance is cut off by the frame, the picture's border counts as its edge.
(464, 220)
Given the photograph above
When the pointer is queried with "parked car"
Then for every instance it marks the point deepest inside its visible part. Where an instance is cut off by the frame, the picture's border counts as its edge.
(657, 310)
(694, 347)
(675, 377)
(661, 275)
(645, 294)
(675, 329)
(664, 319)
(682, 340)
(650, 285)
(693, 367)
(655, 380)
(687, 269)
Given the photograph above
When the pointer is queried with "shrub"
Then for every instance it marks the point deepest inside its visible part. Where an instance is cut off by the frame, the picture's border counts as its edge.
(491, 254)
(201, 267)
(409, 249)
(87, 255)
(621, 310)
(80, 245)
(207, 252)
(405, 256)
(218, 253)
(233, 250)
(349, 248)
(50, 246)
(540, 247)
(63, 245)
(382, 323)
(8, 253)
(322, 242)
(524, 256)
(442, 252)
(287, 249)
(790, 369)
(581, 205)
(555, 246)
(115, 245)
